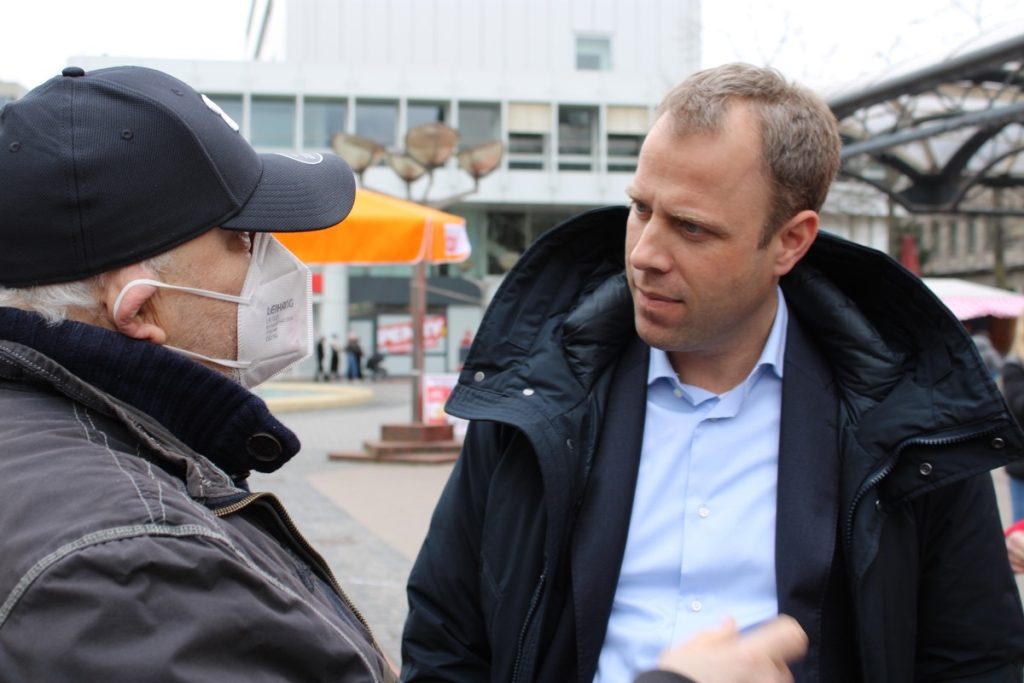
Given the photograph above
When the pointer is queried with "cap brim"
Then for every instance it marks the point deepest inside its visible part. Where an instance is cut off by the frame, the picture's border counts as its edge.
(297, 192)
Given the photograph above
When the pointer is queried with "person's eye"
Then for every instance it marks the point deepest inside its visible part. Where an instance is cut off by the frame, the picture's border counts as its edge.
(641, 209)
(691, 229)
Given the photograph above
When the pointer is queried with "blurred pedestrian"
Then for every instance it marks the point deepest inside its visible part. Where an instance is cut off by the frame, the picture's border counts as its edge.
(318, 351)
(335, 345)
(354, 358)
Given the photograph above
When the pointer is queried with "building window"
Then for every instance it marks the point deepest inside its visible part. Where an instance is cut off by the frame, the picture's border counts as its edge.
(972, 235)
(478, 123)
(273, 122)
(378, 121)
(623, 152)
(419, 113)
(954, 238)
(526, 151)
(529, 126)
(626, 128)
(593, 53)
(577, 137)
(322, 119)
(230, 105)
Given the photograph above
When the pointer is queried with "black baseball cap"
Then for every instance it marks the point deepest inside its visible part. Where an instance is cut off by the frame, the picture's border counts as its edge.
(104, 169)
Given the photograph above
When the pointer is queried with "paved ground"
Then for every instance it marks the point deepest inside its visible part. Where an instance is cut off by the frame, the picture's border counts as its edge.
(368, 520)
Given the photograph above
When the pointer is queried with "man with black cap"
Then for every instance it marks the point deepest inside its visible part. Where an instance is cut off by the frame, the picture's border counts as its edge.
(141, 295)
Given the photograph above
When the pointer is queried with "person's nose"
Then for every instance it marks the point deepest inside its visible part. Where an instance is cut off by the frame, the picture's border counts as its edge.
(649, 251)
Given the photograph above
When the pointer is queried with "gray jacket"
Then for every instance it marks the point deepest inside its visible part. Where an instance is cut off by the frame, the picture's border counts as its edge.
(126, 555)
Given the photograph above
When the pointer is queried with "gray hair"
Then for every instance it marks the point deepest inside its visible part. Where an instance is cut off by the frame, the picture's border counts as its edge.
(53, 302)
(800, 141)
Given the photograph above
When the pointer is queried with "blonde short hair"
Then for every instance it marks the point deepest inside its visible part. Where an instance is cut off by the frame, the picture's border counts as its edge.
(800, 141)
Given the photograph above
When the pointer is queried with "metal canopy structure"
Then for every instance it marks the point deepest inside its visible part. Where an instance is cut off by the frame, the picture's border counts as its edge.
(947, 137)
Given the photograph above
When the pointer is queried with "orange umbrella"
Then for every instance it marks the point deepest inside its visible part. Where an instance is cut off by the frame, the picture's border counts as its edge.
(383, 229)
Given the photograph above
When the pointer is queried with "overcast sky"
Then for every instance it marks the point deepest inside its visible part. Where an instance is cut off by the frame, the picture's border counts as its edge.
(815, 41)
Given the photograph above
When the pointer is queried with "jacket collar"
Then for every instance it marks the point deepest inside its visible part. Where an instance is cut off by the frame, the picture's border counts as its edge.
(569, 286)
(208, 412)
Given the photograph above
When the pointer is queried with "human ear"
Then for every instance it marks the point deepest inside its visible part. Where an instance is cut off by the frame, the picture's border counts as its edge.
(130, 320)
(793, 240)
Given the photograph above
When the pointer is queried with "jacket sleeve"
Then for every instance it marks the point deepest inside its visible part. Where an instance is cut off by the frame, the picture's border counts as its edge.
(445, 637)
(970, 623)
(173, 609)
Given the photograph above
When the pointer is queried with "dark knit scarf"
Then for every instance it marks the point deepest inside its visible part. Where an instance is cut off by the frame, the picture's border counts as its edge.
(209, 412)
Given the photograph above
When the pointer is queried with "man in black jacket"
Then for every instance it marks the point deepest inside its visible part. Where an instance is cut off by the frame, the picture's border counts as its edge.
(141, 296)
(738, 416)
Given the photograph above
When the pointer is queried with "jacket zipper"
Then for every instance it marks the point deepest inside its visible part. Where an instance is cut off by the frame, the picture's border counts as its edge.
(890, 464)
(521, 645)
(301, 541)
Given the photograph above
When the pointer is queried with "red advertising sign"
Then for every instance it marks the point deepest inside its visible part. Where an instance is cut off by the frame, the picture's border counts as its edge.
(396, 337)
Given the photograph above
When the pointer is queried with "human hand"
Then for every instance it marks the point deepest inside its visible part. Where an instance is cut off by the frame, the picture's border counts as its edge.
(1015, 551)
(723, 655)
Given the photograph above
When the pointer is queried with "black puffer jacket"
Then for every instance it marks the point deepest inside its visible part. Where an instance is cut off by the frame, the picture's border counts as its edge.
(125, 554)
(933, 597)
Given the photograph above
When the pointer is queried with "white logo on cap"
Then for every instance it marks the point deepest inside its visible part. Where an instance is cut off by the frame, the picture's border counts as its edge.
(220, 112)
(311, 158)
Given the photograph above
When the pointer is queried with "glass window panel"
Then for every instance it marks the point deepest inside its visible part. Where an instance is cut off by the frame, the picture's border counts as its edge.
(506, 240)
(625, 145)
(377, 121)
(576, 130)
(273, 121)
(322, 118)
(478, 123)
(526, 151)
(425, 112)
(623, 152)
(593, 53)
(525, 143)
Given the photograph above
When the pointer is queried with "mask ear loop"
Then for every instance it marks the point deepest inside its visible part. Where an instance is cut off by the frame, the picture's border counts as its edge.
(238, 364)
(179, 288)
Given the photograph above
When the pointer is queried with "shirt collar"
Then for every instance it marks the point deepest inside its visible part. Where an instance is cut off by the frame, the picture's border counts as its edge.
(772, 355)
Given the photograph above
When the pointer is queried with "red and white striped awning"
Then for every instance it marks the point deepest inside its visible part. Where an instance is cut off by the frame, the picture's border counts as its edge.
(972, 300)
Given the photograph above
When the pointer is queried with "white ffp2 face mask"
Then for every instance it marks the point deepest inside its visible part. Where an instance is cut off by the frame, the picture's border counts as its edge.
(275, 312)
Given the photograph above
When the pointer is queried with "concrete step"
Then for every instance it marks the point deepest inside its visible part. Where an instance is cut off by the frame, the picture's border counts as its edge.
(438, 458)
(380, 449)
(416, 431)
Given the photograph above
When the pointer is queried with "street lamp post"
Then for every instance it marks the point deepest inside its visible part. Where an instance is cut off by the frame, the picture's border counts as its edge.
(427, 148)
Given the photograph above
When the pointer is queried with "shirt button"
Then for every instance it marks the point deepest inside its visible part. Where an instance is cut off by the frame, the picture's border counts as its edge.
(703, 512)
(696, 606)
(677, 392)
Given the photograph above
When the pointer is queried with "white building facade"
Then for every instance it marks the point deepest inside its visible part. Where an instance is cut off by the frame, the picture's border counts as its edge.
(568, 86)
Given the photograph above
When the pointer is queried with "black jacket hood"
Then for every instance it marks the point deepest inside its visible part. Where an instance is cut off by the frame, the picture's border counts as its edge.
(878, 324)
(887, 337)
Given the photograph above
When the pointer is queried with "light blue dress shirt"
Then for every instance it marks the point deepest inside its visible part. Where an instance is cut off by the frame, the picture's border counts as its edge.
(701, 542)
